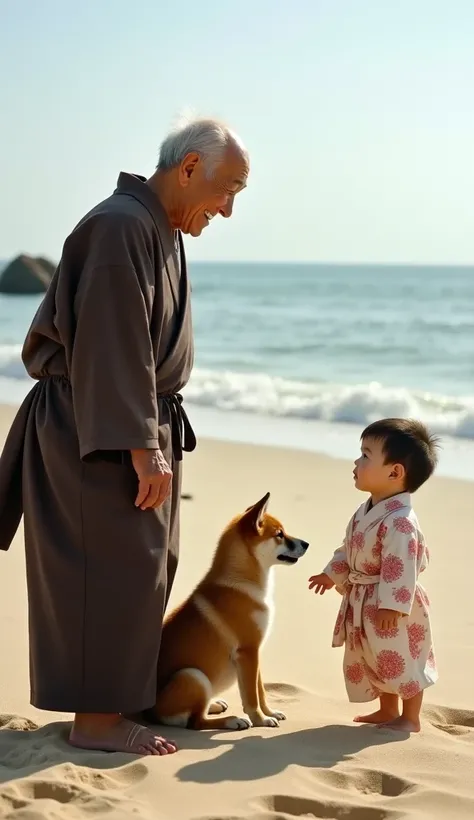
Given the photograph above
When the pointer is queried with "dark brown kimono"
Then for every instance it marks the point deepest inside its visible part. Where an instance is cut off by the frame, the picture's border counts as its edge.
(111, 347)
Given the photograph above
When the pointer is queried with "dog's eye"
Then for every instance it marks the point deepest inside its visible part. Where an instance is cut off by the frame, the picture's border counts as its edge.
(279, 534)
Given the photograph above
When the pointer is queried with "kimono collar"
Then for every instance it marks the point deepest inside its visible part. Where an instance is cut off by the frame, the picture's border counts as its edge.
(383, 508)
(135, 185)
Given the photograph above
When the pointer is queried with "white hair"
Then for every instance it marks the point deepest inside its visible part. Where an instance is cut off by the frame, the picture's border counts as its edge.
(209, 138)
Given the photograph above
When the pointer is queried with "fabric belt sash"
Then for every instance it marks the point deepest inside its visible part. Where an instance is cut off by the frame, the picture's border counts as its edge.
(182, 434)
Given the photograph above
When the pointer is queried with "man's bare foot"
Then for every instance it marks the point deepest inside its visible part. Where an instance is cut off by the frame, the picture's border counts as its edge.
(401, 724)
(122, 736)
(380, 716)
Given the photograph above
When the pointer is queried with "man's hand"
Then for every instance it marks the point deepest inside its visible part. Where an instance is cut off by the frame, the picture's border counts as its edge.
(322, 582)
(387, 619)
(154, 478)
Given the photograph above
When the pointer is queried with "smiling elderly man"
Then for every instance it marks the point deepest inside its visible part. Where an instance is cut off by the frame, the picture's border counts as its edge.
(93, 458)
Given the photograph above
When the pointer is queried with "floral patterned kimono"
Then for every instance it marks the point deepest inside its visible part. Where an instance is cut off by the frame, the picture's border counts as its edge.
(377, 567)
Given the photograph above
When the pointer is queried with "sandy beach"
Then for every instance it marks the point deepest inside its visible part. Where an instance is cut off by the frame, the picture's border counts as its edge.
(317, 763)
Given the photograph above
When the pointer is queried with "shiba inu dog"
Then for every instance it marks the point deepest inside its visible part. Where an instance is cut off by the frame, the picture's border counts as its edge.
(214, 638)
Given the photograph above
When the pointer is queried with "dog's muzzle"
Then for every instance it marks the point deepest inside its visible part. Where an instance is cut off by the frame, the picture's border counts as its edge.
(295, 549)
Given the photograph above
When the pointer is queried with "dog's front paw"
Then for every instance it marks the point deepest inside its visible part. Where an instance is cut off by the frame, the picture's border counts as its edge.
(276, 714)
(238, 723)
(265, 720)
(217, 707)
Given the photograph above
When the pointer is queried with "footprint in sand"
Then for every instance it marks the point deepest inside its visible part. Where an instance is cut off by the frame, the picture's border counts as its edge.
(285, 806)
(68, 788)
(367, 781)
(285, 692)
(452, 721)
(17, 723)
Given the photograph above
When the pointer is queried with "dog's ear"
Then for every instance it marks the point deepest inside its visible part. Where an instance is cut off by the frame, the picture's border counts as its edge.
(254, 515)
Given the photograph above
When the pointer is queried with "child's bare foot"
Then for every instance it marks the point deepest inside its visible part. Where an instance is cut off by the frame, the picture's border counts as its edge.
(402, 724)
(380, 716)
(389, 710)
(121, 736)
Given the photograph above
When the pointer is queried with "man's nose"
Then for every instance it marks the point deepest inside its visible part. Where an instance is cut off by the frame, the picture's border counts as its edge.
(226, 209)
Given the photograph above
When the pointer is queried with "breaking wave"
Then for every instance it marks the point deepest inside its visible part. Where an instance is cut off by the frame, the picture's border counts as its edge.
(268, 395)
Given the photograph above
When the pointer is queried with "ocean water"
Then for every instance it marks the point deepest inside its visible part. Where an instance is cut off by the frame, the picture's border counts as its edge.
(306, 355)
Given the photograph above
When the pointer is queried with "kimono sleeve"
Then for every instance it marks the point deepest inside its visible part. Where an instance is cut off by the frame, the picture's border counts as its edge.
(398, 571)
(338, 567)
(112, 365)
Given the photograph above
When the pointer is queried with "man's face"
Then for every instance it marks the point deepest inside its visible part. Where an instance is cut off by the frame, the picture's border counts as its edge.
(201, 197)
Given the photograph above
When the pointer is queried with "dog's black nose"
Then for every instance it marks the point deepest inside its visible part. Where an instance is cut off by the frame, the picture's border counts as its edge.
(304, 544)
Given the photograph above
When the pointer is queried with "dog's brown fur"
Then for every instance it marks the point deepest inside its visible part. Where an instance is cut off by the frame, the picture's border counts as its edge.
(215, 636)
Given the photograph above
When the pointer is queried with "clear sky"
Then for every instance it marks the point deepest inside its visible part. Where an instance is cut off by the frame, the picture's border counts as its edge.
(358, 114)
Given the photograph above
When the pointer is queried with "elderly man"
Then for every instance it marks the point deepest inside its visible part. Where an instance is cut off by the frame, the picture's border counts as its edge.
(93, 458)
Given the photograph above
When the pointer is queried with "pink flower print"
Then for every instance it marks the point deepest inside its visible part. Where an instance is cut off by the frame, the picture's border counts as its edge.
(409, 690)
(422, 598)
(355, 525)
(369, 568)
(403, 524)
(357, 541)
(412, 548)
(357, 636)
(392, 568)
(420, 548)
(377, 550)
(357, 592)
(371, 674)
(339, 567)
(390, 664)
(381, 532)
(370, 612)
(355, 673)
(386, 633)
(339, 622)
(416, 636)
(402, 595)
(431, 659)
(350, 616)
(370, 589)
(393, 504)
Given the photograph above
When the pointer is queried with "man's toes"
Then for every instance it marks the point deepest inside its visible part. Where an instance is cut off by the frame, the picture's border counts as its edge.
(146, 750)
(170, 745)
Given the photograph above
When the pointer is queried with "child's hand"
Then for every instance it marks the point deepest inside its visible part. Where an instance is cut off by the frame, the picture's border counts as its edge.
(387, 619)
(322, 582)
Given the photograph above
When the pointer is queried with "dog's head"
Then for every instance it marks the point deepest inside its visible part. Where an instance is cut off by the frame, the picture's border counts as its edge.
(266, 537)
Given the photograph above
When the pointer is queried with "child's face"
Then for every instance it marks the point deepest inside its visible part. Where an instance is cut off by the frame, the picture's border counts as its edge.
(372, 475)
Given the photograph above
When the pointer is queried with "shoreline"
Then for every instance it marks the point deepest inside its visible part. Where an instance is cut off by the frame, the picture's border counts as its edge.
(339, 441)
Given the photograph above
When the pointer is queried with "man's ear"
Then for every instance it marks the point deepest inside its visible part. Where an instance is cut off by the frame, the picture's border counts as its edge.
(187, 168)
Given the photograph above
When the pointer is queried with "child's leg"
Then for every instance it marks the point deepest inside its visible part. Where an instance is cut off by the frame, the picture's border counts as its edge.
(410, 717)
(388, 712)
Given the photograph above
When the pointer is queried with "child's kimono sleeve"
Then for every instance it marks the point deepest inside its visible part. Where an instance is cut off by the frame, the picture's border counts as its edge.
(398, 570)
(338, 567)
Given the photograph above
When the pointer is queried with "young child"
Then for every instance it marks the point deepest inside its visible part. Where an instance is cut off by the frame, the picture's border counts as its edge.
(384, 618)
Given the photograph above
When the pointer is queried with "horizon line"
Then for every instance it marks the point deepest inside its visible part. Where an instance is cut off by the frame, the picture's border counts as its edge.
(319, 262)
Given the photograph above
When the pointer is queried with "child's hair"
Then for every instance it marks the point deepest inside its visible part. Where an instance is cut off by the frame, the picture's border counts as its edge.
(407, 442)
